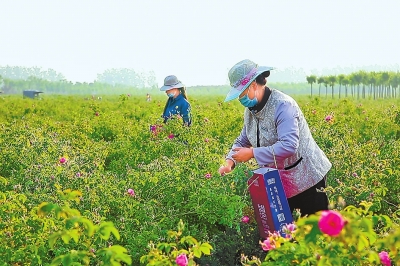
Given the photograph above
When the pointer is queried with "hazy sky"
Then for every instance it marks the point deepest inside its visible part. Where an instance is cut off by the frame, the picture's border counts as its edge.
(198, 41)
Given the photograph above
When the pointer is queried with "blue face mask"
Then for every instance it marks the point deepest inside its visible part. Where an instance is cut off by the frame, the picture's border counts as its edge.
(171, 95)
(247, 102)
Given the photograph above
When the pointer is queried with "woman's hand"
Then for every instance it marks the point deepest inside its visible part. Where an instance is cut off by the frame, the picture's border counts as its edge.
(224, 170)
(242, 154)
(227, 168)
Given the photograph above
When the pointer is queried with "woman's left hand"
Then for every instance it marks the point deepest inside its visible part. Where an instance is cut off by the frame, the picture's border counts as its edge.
(242, 154)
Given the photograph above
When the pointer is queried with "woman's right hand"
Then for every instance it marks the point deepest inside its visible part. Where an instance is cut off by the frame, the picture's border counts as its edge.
(224, 170)
(227, 168)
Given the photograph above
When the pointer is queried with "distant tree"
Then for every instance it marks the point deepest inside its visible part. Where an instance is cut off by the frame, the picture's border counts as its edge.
(355, 79)
(320, 80)
(364, 81)
(17, 72)
(394, 82)
(372, 80)
(384, 80)
(127, 77)
(331, 81)
(340, 79)
(346, 82)
(310, 80)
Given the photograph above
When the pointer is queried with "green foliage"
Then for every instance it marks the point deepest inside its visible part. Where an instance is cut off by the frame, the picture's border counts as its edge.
(109, 149)
(357, 244)
(86, 236)
(165, 253)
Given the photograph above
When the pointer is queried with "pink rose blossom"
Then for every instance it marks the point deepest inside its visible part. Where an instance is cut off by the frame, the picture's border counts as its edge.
(63, 160)
(181, 260)
(206, 140)
(267, 244)
(78, 174)
(245, 219)
(171, 136)
(354, 175)
(331, 223)
(208, 175)
(131, 192)
(385, 260)
(289, 228)
(328, 118)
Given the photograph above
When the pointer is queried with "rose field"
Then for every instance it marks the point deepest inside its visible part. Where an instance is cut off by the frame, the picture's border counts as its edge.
(105, 182)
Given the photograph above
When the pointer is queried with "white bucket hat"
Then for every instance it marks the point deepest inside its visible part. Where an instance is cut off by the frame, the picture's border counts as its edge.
(241, 75)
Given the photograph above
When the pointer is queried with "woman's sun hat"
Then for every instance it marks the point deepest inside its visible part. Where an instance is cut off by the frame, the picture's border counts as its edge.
(242, 75)
(171, 82)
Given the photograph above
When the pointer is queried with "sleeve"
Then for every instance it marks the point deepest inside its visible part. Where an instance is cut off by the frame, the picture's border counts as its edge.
(241, 141)
(287, 126)
(186, 113)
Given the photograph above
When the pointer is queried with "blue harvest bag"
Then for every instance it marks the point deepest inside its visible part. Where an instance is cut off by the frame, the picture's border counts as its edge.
(271, 208)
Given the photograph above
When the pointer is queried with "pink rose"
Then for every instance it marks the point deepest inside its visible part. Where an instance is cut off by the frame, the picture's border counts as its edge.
(328, 118)
(171, 136)
(354, 175)
(206, 140)
(131, 192)
(331, 223)
(181, 260)
(289, 229)
(208, 175)
(267, 244)
(63, 160)
(245, 219)
(385, 260)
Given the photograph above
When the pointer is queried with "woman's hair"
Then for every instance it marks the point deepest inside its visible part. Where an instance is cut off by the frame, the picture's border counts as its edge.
(261, 79)
(183, 92)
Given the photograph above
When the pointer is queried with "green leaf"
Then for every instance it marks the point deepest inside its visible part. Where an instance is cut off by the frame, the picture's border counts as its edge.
(57, 261)
(45, 208)
(75, 235)
(66, 237)
(67, 260)
(206, 248)
(53, 238)
(115, 232)
(197, 252)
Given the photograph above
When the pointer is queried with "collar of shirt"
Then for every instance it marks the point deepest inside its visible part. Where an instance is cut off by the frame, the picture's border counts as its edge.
(260, 105)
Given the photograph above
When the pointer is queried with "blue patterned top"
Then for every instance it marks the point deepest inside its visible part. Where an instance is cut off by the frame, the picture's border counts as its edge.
(177, 106)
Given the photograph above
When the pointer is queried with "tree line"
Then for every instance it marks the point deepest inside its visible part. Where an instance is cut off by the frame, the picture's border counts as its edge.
(360, 84)
(14, 79)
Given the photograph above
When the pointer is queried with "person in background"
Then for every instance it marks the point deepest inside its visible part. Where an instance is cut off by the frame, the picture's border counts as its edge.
(277, 135)
(148, 97)
(177, 103)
